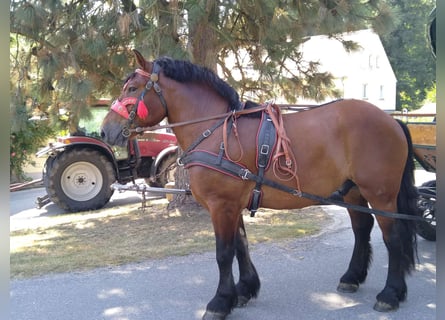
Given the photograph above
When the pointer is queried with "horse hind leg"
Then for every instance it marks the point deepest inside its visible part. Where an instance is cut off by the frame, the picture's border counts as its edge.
(400, 240)
(249, 282)
(399, 237)
(362, 225)
(400, 243)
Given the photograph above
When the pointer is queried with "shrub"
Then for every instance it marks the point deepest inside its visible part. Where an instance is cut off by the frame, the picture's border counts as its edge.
(23, 144)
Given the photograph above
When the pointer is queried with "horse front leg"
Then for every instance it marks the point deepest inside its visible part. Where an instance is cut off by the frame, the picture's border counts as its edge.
(362, 225)
(225, 223)
(249, 282)
(361, 255)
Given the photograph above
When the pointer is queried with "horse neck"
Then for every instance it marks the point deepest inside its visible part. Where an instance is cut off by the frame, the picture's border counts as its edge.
(191, 104)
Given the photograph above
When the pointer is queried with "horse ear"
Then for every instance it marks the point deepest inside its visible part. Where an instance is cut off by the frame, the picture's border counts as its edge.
(144, 64)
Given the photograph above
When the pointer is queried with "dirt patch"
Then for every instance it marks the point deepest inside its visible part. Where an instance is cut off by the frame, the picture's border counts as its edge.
(121, 235)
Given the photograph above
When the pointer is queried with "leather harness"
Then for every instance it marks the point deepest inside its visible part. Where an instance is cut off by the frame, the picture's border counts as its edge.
(266, 140)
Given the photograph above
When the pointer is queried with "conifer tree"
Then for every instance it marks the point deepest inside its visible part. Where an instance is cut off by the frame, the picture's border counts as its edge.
(74, 51)
(409, 52)
(79, 50)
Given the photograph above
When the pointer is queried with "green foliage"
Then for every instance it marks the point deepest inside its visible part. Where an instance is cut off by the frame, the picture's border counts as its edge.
(68, 53)
(431, 94)
(23, 144)
(86, 42)
(409, 52)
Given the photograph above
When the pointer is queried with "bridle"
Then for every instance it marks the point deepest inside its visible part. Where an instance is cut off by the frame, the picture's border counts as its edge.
(139, 106)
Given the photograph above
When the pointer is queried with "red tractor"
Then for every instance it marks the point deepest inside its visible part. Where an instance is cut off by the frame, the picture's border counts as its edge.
(81, 168)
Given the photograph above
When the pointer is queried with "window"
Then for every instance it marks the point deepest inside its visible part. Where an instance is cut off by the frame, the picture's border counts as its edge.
(365, 91)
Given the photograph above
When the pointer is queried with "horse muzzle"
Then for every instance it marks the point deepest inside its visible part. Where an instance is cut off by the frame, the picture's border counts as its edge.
(120, 107)
(114, 134)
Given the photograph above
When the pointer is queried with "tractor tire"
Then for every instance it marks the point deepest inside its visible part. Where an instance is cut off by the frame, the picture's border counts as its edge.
(427, 206)
(79, 180)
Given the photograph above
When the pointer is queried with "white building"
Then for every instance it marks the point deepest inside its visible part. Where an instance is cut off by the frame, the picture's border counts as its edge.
(361, 74)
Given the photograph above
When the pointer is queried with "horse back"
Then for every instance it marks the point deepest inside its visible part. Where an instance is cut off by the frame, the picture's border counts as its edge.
(344, 130)
(347, 139)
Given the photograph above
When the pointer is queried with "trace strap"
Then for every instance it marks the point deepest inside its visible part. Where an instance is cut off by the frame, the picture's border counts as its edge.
(210, 160)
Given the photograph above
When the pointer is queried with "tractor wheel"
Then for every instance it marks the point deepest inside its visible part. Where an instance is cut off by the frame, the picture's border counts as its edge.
(79, 180)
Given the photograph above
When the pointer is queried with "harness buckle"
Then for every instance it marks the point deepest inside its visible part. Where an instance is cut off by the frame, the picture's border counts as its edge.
(126, 132)
(179, 162)
(157, 88)
(244, 173)
(264, 149)
(206, 133)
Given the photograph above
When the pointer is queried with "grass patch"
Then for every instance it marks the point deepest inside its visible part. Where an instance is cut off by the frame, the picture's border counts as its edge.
(119, 235)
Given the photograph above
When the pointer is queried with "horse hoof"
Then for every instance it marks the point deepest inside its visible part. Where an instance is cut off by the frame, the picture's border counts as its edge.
(242, 301)
(347, 287)
(384, 307)
(209, 315)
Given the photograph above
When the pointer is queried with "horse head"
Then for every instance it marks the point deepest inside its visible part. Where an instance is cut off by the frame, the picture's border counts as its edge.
(140, 104)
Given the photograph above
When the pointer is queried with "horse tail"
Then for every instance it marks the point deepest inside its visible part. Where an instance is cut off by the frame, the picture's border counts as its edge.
(407, 204)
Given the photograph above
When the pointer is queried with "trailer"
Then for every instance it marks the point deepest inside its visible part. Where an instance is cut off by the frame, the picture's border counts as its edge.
(422, 128)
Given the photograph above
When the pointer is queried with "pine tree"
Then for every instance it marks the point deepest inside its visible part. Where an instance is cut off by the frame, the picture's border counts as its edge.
(409, 51)
(80, 50)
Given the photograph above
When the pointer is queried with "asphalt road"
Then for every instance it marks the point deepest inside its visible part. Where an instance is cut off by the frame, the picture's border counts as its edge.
(299, 280)
(22, 203)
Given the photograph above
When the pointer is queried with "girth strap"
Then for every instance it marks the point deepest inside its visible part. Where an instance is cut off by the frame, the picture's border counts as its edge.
(266, 138)
(213, 161)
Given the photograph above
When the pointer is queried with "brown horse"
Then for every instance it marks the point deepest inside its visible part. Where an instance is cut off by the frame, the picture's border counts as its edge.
(350, 146)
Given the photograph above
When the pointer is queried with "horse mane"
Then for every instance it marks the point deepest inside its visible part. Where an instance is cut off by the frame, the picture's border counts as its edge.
(185, 71)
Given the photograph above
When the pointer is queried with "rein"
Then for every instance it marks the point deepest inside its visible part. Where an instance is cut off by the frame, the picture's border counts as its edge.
(289, 169)
(140, 130)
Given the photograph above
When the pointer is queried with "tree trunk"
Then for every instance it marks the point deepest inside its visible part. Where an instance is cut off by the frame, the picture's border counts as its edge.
(182, 181)
(203, 47)
(203, 39)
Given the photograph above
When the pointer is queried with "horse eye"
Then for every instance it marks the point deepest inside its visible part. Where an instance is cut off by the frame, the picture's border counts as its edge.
(132, 89)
